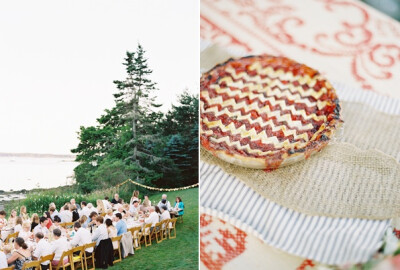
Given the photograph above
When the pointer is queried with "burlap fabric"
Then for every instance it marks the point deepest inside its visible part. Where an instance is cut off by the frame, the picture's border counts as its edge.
(356, 175)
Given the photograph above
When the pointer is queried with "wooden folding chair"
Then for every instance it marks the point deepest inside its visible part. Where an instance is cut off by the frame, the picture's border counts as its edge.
(61, 264)
(158, 232)
(33, 264)
(11, 237)
(9, 268)
(137, 237)
(164, 229)
(117, 239)
(172, 228)
(47, 258)
(91, 257)
(77, 257)
(180, 219)
(147, 233)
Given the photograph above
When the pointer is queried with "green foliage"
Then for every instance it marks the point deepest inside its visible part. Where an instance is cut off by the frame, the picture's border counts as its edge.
(134, 140)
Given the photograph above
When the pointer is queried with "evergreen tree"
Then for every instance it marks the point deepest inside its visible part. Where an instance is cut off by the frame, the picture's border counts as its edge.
(136, 95)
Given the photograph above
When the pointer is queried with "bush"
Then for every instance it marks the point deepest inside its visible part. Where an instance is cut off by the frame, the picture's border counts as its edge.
(38, 202)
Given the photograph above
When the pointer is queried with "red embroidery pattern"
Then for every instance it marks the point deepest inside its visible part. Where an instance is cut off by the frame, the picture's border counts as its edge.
(363, 39)
(306, 263)
(217, 247)
(210, 31)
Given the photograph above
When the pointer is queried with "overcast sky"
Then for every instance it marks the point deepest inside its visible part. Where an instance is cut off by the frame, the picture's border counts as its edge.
(58, 60)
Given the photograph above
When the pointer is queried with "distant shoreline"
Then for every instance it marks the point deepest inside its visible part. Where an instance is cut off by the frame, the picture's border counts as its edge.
(36, 155)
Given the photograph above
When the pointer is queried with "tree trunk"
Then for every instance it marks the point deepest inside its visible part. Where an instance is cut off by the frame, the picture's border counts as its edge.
(134, 116)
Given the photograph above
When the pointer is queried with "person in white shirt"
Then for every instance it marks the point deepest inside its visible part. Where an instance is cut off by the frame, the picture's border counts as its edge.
(41, 228)
(18, 226)
(164, 202)
(43, 248)
(82, 237)
(3, 260)
(58, 246)
(164, 213)
(134, 208)
(153, 218)
(109, 215)
(120, 210)
(107, 204)
(25, 233)
(73, 202)
(66, 215)
(85, 210)
(53, 212)
(92, 208)
(101, 233)
(3, 220)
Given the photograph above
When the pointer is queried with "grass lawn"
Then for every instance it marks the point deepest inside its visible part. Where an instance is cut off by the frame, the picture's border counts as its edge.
(179, 253)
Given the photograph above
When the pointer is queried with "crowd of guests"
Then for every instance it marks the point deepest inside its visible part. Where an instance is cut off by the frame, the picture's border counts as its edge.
(90, 224)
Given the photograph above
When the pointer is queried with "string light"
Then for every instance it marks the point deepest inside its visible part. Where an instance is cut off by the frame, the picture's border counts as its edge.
(154, 188)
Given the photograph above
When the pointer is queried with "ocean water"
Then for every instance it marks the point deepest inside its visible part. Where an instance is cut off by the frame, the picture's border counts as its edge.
(18, 173)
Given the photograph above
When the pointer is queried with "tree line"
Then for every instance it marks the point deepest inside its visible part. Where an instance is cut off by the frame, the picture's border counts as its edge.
(135, 140)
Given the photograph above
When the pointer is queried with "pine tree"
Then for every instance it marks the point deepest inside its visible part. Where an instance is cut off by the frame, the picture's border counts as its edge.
(136, 95)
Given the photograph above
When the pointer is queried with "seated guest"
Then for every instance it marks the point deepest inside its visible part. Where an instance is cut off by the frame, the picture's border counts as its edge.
(50, 221)
(12, 219)
(3, 260)
(135, 208)
(164, 213)
(43, 248)
(8, 249)
(3, 220)
(179, 206)
(42, 227)
(164, 202)
(53, 212)
(57, 224)
(21, 254)
(146, 201)
(85, 209)
(73, 202)
(120, 210)
(100, 207)
(153, 218)
(121, 224)
(115, 200)
(75, 214)
(23, 213)
(82, 220)
(112, 232)
(81, 237)
(109, 215)
(106, 203)
(25, 233)
(18, 225)
(92, 208)
(158, 211)
(66, 214)
(91, 220)
(58, 246)
(101, 233)
(146, 204)
(35, 221)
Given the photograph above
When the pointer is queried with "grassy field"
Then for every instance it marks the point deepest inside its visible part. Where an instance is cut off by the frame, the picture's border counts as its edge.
(179, 253)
